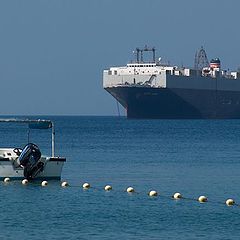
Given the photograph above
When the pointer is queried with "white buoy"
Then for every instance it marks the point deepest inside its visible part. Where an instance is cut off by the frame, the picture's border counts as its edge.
(202, 199)
(7, 179)
(108, 188)
(153, 193)
(230, 202)
(86, 185)
(64, 184)
(24, 182)
(44, 183)
(130, 190)
(177, 195)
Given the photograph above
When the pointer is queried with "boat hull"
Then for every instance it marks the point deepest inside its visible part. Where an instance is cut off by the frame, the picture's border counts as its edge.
(52, 169)
(177, 103)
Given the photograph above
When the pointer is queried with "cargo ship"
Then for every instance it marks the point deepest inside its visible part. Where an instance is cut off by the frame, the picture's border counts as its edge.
(153, 89)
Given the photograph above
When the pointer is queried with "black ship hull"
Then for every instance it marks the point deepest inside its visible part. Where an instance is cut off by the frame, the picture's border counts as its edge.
(177, 103)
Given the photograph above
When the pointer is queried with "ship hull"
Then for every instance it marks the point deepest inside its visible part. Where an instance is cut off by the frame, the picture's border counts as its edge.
(176, 103)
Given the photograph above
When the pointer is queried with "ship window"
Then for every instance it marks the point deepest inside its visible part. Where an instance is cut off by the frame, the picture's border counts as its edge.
(115, 72)
(109, 72)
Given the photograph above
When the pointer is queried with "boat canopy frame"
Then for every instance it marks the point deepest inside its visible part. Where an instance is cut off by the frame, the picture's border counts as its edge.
(35, 124)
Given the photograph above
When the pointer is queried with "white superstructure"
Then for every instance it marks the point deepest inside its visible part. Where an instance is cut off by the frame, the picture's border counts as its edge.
(158, 75)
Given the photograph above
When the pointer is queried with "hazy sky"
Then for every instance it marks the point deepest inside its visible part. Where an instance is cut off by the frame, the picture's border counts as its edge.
(53, 52)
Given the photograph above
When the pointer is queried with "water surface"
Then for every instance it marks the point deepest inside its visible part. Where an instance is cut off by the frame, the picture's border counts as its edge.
(194, 157)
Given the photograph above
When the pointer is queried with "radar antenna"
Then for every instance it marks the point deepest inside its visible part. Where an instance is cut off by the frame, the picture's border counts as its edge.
(201, 59)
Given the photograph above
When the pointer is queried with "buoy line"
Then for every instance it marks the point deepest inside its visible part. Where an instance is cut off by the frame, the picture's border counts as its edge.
(130, 190)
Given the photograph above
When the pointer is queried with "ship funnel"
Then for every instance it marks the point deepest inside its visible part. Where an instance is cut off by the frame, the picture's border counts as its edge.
(215, 63)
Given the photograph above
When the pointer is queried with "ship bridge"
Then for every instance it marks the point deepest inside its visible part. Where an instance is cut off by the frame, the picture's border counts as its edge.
(141, 65)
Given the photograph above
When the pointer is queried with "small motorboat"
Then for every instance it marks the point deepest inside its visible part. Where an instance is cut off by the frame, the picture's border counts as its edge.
(28, 162)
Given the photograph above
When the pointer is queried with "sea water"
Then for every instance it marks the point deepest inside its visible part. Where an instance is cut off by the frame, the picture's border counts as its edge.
(193, 157)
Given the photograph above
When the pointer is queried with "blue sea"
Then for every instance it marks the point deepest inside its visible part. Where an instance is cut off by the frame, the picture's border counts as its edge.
(193, 157)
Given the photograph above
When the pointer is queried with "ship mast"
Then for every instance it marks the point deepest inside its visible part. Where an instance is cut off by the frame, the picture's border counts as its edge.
(140, 52)
(201, 59)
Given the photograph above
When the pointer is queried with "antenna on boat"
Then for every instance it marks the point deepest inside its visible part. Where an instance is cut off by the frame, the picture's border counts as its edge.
(53, 140)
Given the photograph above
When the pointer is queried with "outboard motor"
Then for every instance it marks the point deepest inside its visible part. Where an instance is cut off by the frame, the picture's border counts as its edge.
(29, 159)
